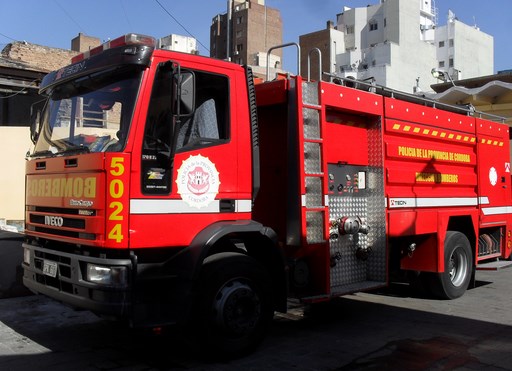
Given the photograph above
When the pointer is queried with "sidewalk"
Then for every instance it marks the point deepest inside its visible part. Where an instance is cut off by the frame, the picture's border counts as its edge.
(11, 273)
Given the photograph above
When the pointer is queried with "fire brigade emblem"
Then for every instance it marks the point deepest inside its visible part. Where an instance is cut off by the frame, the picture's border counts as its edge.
(198, 181)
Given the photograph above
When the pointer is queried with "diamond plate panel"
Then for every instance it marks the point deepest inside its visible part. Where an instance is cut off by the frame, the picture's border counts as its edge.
(351, 273)
(376, 207)
(310, 93)
(312, 158)
(311, 123)
(314, 227)
(314, 192)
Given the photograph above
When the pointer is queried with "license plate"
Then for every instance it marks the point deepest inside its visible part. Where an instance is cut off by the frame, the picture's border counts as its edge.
(50, 268)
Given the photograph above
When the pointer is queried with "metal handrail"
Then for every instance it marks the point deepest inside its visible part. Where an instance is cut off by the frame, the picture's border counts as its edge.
(385, 91)
(280, 47)
(319, 63)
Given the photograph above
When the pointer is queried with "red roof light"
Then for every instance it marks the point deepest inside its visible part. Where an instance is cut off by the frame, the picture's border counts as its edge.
(128, 39)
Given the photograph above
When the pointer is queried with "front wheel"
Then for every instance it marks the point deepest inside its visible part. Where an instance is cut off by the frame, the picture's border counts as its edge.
(458, 267)
(235, 306)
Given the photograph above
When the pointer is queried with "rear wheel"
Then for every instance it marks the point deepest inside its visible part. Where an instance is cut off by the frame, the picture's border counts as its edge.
(235, 305)
(458, 267)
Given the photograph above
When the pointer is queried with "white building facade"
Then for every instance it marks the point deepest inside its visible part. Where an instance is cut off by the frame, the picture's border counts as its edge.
(464, 51)
(178, 43)
(397, 43)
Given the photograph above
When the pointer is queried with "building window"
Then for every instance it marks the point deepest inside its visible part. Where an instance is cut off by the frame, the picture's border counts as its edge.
(238, 34)
(350, 29)
(451, 43)
(373, 25)
(441, 64)
(450, 62)
(385, 22)
(441, 44)
(240, 20)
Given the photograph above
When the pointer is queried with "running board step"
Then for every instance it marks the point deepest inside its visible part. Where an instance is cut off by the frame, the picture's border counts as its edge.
(494, 265)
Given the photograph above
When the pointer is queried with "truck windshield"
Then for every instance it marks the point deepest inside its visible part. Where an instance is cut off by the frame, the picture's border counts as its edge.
(89, 114)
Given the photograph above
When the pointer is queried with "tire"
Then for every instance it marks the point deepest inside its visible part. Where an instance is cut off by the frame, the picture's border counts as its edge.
(234, 306)
(458, 267)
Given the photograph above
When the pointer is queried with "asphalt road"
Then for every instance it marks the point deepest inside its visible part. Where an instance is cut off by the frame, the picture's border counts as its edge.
(394, 329)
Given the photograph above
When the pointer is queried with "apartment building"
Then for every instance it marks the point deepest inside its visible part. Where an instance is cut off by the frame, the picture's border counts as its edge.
(246, 32)
(398, 43)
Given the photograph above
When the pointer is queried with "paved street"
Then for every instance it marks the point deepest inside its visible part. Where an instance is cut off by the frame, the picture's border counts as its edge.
(388, 330)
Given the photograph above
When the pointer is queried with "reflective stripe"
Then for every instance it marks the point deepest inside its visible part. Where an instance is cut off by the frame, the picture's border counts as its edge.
(395, 203)
(166, 206)
(497, 210)
(243, 206)
(483, 200)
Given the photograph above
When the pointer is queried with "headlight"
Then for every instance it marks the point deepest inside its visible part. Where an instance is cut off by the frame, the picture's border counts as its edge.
(106, 275)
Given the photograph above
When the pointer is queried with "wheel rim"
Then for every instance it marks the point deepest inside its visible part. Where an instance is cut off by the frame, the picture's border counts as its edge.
(458, 267)
(237, 307)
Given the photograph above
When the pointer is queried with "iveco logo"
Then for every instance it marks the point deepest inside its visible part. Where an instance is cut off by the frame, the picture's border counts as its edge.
(54, 221)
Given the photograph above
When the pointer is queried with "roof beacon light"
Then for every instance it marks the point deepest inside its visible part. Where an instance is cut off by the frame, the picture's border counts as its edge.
(130, 39)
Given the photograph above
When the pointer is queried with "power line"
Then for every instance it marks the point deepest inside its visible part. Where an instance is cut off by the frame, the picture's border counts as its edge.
(7, 37)
(70, 17)
(184, 28)
(126, 16)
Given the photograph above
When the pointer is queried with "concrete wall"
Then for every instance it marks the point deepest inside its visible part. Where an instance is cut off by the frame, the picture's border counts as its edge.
(14, 144)
(470, 49)
(15, 138)
(11, 273)
(473, 51)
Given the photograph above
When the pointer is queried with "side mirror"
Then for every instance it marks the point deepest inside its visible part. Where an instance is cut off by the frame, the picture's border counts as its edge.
(185, 87)
(35, 121)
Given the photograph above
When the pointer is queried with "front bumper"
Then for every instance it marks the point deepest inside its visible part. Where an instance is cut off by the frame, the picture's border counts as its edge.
(157, 292)
(70, 286)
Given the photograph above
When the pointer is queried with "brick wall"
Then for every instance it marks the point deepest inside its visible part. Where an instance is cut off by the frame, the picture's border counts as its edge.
(38, 57)
(83, 43)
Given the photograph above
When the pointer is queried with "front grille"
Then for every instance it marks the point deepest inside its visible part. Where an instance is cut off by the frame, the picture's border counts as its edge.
(55, 283)
(61, 210)
(62, 222)
(67, 222)
(62, 233)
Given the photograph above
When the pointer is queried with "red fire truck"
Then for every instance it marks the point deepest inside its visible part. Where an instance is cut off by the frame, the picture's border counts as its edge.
(167, 188)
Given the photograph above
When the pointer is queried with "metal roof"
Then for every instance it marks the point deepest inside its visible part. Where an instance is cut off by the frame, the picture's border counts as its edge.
(460, 94)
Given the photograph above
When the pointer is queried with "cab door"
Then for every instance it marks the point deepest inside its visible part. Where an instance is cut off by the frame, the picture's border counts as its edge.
(189, 162)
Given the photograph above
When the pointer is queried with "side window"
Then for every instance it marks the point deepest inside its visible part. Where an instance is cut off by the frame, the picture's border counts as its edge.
(156, 148)
(157, 136)
(209, 125)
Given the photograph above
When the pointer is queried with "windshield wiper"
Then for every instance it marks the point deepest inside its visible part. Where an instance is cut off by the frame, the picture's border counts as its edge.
(75, 149)
(45, 153)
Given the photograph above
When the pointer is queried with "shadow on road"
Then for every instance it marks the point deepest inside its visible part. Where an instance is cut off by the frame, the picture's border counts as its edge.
(349, 333)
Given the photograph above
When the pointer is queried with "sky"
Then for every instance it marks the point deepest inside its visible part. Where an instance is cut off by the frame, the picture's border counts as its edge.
(55, 22)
